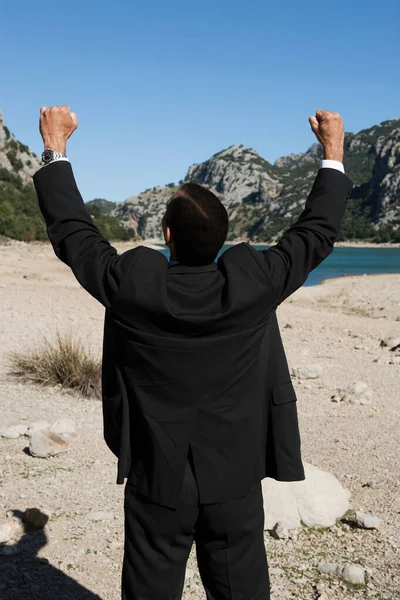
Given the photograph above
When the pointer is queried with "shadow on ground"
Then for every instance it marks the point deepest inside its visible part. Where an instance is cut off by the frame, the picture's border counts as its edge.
(25, 576)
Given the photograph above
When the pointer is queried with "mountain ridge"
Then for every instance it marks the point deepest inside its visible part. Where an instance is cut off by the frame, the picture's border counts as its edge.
(262, 199)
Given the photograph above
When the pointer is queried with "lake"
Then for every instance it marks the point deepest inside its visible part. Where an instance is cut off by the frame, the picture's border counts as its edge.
(348, 261)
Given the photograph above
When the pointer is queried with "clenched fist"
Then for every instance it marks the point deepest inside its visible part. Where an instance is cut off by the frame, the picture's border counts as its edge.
(57, 124)
(329, 131)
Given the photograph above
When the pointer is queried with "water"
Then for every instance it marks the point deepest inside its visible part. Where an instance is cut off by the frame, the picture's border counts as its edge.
(348, 261)
(354, 261)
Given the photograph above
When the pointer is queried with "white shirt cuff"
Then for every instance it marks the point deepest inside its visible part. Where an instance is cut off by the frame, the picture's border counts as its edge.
(51, 162)
(332, 164)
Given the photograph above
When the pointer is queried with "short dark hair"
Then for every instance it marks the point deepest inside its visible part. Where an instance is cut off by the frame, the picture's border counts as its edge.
(198, 222)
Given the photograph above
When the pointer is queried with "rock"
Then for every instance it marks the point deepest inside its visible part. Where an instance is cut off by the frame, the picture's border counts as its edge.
(9, 531)
(37, 426)
(22, 429)
(367, 521)
(318, 501)
(312, 371)
(391, 342)
(46, 443)
(276, 571)
(352, 573)
(282, 533)
(188, 574)
(64, 426)
(329, 568)
(10, 433)
(357, 392)
(38, 517)
(101, 516)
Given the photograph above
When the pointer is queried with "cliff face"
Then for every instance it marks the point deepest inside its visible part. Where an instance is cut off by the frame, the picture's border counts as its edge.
(16, 157)
(263, 199)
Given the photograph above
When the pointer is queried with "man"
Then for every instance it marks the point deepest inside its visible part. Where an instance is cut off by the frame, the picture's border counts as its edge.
(198, 402)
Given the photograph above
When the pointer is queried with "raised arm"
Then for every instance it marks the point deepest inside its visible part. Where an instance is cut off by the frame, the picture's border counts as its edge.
(311, 239)
(75, 238)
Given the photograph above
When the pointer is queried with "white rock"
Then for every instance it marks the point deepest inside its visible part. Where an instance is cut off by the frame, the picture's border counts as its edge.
(189, 573)
(282, 533)
(357, 392)
(353, 573)
(22, 429)
(10, 433)
(329, 568)
(307, 371)
(391, 342)
(9, 531)
(46, 443)
(349, 572)
(318, 501)
(37, 426)
(64, 426)
(367, 521)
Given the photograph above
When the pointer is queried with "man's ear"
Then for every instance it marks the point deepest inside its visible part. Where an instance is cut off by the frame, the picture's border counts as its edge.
(167, 235)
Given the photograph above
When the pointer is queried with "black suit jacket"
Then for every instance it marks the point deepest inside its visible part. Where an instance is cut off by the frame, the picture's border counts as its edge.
(192, 356)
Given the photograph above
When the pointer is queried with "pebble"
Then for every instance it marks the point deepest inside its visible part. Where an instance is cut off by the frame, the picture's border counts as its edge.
(349, 572)
(189, 573)
(311, 371)
(367, 521)
(10, 433)
(357, 392)
(9, 531)
(353, 573)
(283, 533)
(391, 342)
(46, 443)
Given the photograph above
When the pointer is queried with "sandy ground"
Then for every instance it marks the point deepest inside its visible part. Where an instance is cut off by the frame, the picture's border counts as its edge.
(338, 324)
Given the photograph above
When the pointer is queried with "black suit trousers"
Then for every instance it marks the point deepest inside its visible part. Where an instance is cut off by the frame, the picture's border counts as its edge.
(229, 545)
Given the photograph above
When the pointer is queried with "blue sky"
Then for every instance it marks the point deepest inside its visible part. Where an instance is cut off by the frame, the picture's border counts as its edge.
(159, 85)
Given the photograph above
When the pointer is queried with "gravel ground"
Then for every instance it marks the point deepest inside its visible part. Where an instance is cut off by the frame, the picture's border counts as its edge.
(78, 554)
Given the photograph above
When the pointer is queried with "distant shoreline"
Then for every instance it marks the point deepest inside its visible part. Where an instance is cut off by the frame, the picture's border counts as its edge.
(348, 244)
(152, 243)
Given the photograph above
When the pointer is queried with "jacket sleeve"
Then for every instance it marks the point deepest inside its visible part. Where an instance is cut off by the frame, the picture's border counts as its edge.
(311, 239)
(75, 238)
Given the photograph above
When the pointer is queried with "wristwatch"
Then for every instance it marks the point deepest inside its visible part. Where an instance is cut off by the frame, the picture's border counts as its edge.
(49, 156)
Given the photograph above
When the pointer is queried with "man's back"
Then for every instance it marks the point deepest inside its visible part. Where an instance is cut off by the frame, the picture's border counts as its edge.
(190, 351)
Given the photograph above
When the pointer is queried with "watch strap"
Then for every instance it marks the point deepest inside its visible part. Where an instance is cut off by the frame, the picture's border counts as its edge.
(49, 156)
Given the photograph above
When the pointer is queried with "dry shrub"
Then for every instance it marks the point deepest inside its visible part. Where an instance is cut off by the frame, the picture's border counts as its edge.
(64, 362)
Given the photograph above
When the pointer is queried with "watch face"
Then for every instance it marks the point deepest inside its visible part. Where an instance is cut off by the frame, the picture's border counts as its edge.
(47, 155)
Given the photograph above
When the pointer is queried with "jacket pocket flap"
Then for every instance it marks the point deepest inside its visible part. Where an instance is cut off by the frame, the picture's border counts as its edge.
(283, 393)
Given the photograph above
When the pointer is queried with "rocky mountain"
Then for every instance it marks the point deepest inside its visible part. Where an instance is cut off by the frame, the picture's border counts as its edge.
(263, 199)
(15, 157)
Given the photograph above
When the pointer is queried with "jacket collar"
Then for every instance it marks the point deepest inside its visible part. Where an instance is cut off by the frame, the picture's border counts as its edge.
(180, 269)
